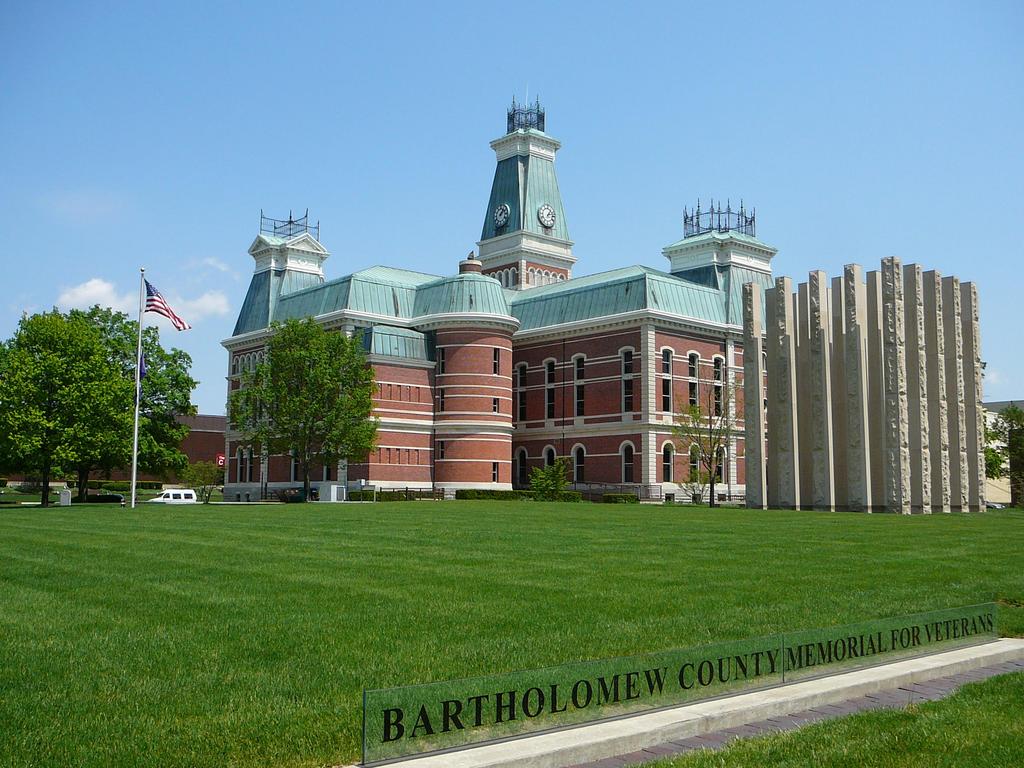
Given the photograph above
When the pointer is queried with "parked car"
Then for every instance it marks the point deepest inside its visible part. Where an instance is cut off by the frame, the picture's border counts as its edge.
(176, 496)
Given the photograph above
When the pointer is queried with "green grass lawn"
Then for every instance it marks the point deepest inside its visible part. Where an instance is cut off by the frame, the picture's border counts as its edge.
(980, 725)
(243, 636)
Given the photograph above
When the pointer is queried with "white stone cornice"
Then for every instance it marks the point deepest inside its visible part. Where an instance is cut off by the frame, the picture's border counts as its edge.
(634, 318)
(526, 142)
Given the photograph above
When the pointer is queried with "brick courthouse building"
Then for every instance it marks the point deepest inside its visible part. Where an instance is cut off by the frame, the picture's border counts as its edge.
(512, 362)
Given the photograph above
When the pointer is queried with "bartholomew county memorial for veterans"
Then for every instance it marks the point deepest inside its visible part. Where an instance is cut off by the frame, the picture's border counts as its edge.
(512, 362)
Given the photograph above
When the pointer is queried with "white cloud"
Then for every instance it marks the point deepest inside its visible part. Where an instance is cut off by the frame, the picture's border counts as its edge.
(210, 304)
(214, 263)
(100, 291)
(96, 291)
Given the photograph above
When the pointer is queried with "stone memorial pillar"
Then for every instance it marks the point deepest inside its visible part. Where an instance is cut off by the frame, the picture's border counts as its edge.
(876, 388)
(938, 417)
(974, 416)
(856, 386)
(959, 483)
(783, 437)
(837, 359)
(819, 377)
(897, 439)
(753, 398)
(917, 389)
(802, 405)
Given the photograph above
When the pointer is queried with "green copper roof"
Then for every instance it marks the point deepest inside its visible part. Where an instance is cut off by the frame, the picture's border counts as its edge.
(525, 183)
(611, 293)
(469, 292)
(398, 342)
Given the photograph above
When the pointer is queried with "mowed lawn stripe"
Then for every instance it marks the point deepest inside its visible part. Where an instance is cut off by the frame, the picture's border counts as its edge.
(244, 635)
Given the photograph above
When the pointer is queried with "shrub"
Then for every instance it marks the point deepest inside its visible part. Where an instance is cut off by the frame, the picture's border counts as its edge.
(548, 483)
(620, 498)
(3, 482)
(491, 494)
(572, 496)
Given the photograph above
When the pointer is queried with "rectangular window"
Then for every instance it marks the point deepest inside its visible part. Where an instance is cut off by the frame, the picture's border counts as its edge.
(496, 368)
(666, 395)
(494, 405)
(440, 359)
(693, 394)
(579, 399)
(627, 362)
(694, 362)
(627, 395)
(718, 399)
(580, 363)
(440, 400)
(666, 361)
(494, 471)
(440, 449)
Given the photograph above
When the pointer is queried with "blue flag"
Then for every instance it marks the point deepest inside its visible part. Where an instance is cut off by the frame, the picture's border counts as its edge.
(142, 366)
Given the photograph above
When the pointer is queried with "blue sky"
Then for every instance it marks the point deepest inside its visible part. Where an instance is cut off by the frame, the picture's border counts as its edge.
(145, 134)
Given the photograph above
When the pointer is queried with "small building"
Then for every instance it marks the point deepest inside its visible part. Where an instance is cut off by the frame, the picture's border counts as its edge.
(512, 362)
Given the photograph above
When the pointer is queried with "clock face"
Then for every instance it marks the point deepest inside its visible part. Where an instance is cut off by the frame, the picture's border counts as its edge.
(546, 216)
(501, 214)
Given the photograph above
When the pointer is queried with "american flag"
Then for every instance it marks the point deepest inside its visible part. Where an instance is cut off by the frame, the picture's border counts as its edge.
(156, 303)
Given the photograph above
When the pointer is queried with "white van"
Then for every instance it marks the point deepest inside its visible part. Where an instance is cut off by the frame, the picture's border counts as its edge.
(177, 496)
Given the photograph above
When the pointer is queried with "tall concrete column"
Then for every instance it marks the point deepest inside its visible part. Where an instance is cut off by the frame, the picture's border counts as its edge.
(856, 386)
(897, 439)
(974, 416)
(649, 360)
(837, 359)
(959, 483)
(917, 389)
(783, 436)
(819, 373)
(938, 417)
(753, 398)
(876, 388)
(730, 405)
(802, 404)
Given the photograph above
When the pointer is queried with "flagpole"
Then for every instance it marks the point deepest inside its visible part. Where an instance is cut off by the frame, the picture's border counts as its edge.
(138, 383)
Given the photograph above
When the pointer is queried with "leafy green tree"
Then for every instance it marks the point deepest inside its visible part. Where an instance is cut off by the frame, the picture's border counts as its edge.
(61, 402)
(1008, 429)
(204, 476)
(549, 483)
(166, 393)
(312, 394)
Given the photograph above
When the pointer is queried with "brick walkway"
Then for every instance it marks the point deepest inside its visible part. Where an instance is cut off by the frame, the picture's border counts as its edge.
(896, 698)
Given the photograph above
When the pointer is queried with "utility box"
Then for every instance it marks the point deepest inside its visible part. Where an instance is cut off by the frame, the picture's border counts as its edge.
(333, 492)
(65, 498)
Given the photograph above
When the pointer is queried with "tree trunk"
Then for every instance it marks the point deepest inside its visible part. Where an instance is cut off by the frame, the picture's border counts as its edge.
(305, 478)
(711, 500)
(45, 497)
(83, 485)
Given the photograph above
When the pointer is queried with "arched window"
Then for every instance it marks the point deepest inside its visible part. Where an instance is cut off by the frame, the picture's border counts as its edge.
(666, 463)
(521, 390)
(522, 469)
(238, 465)
(720, 460)
(693, 365)
(627, 463)
(579, 366)
(694, 463)
(627, 380)
(579, 458)
(514, 275)
(248, 465)
(666, 381)
(549, 457)
(549, 389)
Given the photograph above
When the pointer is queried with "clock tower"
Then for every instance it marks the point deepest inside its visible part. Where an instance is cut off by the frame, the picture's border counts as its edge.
(525, 240)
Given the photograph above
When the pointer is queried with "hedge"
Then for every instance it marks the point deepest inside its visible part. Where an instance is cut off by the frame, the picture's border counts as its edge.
(571, 496)
(491, 495)
(124, 485)
(620, 498)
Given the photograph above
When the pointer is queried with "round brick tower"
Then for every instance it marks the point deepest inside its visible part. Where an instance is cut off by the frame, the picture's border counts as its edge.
(473, 378)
